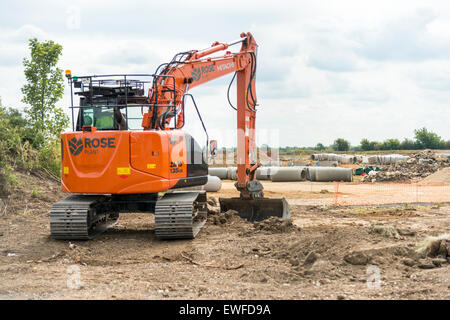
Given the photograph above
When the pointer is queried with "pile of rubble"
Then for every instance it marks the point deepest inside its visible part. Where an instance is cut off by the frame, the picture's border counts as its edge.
(419, 165)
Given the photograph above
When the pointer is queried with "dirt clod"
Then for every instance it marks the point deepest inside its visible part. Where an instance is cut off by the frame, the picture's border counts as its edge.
(426, 264)
(409, 262)
(276, 225)
(385, 230)
(356, 258)
(227, 217)
(439, 261)
(406, 232)
(310, 259)
(433, 248)
(444, 248)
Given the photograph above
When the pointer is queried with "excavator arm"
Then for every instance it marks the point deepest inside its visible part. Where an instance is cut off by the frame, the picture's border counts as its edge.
(194, 68)
(197, 68)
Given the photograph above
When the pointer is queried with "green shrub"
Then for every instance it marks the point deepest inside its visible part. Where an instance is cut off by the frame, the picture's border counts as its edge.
(23, 148)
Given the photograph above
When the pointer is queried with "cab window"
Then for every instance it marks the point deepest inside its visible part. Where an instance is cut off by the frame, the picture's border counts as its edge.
(102, 118)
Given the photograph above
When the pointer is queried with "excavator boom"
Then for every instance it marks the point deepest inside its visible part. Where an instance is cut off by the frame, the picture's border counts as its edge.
(199, 67)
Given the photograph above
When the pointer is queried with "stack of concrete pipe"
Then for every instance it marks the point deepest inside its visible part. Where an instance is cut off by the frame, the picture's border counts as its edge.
(271, 163)
(341, 158)
(262, 173)
(327, 163)
(387, 159)
(324, 174)
(285, 174)
(297, 163)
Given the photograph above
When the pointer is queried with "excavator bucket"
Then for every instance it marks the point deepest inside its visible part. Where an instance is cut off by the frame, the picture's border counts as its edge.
(256, 209)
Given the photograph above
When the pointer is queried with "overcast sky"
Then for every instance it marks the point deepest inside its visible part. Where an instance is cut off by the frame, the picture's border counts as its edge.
(326, 69)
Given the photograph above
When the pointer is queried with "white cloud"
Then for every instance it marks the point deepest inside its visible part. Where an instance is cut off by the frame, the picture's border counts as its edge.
(326, 69)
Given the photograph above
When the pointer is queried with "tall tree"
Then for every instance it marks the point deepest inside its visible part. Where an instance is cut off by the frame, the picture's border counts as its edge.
(366, 145)
(428, 139)
(45, 86)
(320, 146)
(341, 144)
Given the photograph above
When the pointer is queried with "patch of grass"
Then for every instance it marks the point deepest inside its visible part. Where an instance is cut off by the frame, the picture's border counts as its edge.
(7, 180)
(35, 193)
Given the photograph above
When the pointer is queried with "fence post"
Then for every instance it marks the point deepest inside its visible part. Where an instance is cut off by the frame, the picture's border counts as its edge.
(336, 191)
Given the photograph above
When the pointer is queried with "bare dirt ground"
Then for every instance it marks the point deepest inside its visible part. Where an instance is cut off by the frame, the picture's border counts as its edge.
(323, 252)
(343, 193)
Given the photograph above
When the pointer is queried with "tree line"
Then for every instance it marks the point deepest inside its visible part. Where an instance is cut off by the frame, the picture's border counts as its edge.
(423, 139)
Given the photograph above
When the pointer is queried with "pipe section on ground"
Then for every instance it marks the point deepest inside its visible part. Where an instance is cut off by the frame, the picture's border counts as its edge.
(263, 173)
(286, 174)
(326, 163)
(221, 173)
(271, 163)
(232, 173)
(327, 174)
(386, 159)
(341, 158)
(214, 184)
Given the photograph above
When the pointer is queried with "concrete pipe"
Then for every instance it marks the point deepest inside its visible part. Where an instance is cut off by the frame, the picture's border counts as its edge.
(326, 174)
(263, 173)
(390, 158)
(341, 158)
(373, 159)
(221, 173)
(212, 185)
(232, 173)
(327, 163)
(297, 163)
(288, 174)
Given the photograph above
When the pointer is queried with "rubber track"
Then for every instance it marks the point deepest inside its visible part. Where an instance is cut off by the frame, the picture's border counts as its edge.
(180, 215)
(69, 218)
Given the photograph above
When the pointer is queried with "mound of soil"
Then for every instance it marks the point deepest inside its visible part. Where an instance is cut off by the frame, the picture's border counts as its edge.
(276, 225)
(440, 177)
(226, 218)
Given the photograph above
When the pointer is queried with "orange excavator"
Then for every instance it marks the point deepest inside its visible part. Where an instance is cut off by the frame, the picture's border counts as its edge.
(127, 151)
